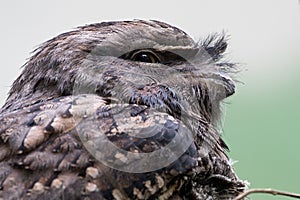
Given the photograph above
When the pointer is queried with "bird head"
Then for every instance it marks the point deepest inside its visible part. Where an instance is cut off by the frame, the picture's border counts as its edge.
(139, 62)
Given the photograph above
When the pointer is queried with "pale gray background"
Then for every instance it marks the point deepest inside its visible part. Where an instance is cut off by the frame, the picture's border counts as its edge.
(262, 121)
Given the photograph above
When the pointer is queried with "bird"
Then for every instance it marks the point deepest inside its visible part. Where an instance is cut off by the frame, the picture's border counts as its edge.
(119, 110)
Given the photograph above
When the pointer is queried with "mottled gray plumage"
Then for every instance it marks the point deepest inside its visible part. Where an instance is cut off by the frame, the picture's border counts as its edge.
(117, 78)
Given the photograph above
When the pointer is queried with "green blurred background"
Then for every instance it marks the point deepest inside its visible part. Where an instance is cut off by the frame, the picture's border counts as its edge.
(262, 120)
(262, 129)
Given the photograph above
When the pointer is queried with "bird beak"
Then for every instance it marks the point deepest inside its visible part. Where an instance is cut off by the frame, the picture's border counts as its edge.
(229, 85)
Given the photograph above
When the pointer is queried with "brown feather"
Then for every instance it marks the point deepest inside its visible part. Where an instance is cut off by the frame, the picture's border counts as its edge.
(83, 91)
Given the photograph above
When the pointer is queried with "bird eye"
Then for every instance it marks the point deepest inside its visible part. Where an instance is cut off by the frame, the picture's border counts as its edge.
(145, 56)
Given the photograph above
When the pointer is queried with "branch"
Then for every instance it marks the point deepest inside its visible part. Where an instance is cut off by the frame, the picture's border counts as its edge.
(268, 191)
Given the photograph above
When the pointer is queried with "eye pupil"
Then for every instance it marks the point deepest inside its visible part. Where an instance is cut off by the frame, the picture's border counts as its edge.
(143, 57)
(146, 56)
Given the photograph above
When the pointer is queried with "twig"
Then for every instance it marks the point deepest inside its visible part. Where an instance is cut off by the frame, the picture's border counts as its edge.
(268, 191)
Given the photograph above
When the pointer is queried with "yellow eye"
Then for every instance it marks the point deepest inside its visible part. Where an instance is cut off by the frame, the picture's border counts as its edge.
(145, 56)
